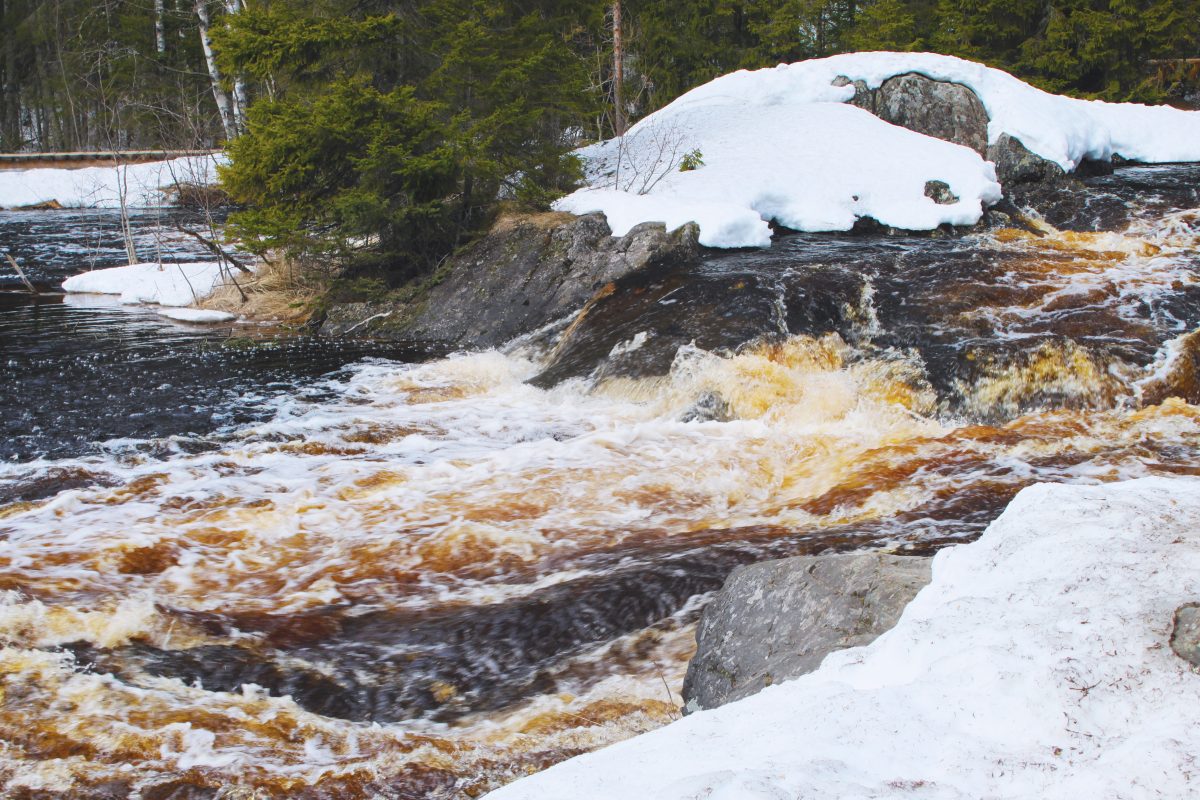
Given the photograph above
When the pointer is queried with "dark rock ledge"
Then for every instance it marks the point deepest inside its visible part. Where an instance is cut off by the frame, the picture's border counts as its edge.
(525, 273)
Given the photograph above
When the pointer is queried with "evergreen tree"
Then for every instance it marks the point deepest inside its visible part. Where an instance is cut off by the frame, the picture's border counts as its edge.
(400, 130)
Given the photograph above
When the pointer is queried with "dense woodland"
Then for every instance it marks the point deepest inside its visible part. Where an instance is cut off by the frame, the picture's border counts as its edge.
(386, 131)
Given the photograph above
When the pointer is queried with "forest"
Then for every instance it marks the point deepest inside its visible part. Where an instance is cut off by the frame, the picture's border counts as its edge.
(388, 131)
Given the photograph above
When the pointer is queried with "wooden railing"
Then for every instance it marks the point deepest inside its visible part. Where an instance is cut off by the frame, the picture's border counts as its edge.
(92, 158)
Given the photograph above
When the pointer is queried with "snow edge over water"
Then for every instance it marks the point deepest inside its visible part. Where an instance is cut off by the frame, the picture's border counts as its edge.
(1036, 664)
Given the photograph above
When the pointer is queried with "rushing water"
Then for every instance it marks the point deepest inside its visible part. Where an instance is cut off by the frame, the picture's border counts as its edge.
(425, 579)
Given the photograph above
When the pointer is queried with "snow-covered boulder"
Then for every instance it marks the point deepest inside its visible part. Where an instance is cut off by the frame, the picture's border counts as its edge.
(1036, 664)
(783, 145)
(941, 109)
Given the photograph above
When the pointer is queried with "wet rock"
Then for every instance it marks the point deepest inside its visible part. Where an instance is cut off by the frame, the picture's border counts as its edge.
(525, 273)
(1185, 634)
(939, 192)
(179, 790)
(1015, 164)
(778, 620)
(711, 407)
(716, 311)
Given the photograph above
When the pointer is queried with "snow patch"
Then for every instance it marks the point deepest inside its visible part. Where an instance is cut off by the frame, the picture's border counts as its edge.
(197, 315)
(165, 284)
(780, 144)
(100, 187)
(1035, 664)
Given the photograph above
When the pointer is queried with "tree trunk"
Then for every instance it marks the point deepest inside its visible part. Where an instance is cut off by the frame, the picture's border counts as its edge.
(214, 74)
(160, 29)
(618, 71)
(239, 86)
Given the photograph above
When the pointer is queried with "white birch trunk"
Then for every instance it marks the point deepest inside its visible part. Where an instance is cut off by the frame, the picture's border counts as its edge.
(160, 28)
(219, 94)
(240, 100)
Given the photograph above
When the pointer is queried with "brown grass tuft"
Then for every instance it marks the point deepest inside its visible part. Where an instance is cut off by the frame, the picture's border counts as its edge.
(279, 291)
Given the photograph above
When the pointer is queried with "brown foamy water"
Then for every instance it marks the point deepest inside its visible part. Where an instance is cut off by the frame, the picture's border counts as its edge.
(427, 580)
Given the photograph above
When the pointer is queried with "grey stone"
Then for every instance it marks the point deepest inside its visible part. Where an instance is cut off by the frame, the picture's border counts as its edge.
(1015, 164)
(939, 192)
(864, 98)
(711, 407)
(525, 273)
(943, 110)
(777, 620)
(1185, 634)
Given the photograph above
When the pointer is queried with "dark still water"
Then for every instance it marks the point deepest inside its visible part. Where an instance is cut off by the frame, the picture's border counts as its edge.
(84, 373)
(51, 246)
(89, 374)
(236, 562)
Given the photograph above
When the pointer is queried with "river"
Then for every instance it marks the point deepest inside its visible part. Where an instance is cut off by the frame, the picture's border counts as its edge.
(245, 558)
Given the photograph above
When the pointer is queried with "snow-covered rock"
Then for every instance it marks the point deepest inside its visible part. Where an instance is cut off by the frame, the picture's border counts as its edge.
(101, 187)
(1036, 664)
(781, 144)
(165, 284)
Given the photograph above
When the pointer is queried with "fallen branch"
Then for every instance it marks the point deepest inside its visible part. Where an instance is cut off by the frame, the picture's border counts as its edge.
(216, 250)
(32, 289)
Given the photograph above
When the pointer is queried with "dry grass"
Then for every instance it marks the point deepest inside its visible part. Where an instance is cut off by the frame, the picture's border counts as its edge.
(511, 217)
(278, 291)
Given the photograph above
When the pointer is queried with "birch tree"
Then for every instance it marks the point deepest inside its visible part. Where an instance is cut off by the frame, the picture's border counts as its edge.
(224, 105)
(160, 28)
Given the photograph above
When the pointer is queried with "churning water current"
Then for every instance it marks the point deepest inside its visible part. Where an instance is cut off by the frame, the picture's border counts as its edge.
(271, 563)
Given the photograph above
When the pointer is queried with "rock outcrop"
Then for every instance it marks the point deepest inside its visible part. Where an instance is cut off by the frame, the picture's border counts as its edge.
(777, 620)
(637, 329)
(943, 110)
(1015, 164)
(523, 274)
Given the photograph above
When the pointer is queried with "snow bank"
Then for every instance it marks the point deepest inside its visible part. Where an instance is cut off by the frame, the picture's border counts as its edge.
(99, 187)
(779, 144)
(1035, 665)
(166, 284)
